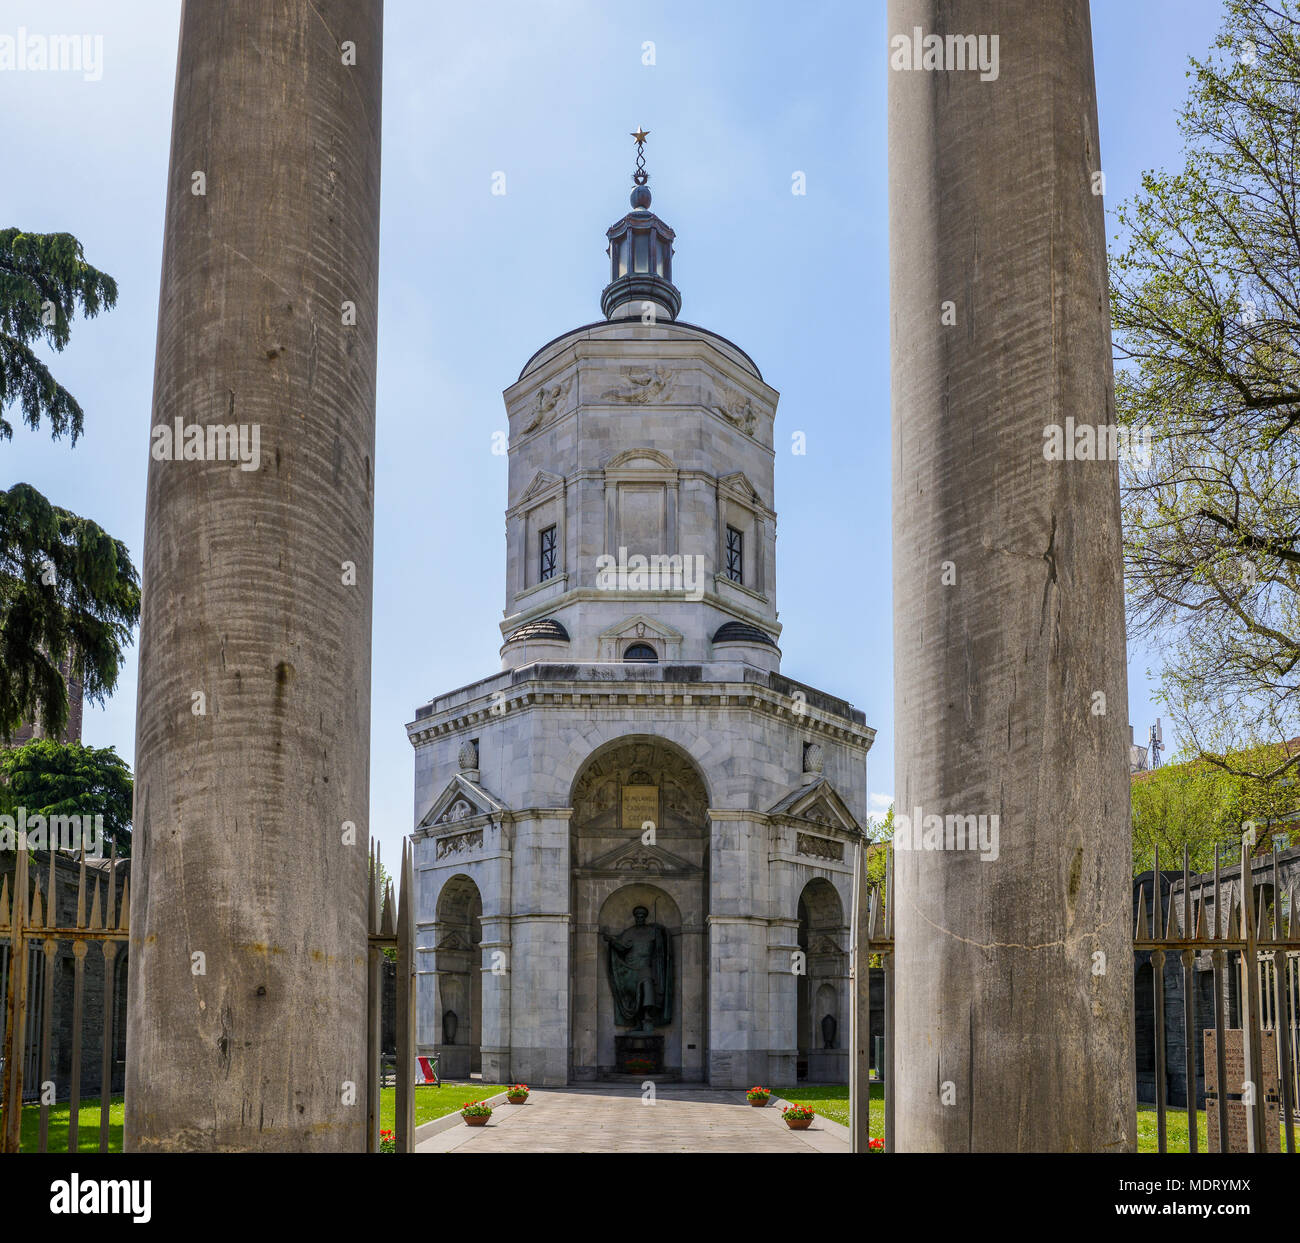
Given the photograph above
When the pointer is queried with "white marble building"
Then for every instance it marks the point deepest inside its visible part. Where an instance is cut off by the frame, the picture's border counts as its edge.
(640, 746)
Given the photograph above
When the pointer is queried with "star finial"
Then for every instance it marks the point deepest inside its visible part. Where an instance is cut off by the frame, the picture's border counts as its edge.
(641, 135)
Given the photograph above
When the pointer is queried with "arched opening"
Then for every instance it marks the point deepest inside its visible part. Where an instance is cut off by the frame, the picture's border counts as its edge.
(639, 837)
(649, 972)
(458, 1016)
(641, 652)
(821, 1029)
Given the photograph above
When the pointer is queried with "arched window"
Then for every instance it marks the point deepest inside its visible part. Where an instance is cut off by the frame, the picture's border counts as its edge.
(641, 651)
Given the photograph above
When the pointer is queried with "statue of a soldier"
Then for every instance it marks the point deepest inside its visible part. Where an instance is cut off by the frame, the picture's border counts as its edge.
(640, 960)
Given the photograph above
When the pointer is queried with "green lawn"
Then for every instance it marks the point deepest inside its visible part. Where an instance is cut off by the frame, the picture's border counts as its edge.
(832, 1101)
(87, 1126)
(1176, 1131)
(829, 1100)
(430, 1103)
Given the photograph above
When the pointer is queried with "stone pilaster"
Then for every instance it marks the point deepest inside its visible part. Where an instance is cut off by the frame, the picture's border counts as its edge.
(539, 953)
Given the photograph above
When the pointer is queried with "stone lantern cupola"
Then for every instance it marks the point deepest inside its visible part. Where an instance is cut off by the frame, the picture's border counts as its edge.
(640, 256)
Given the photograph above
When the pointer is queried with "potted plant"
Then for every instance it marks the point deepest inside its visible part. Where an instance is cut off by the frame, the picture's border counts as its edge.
(758, 1097)
(798, 1117)
(476, 1113)
(387, 1141)
(875, 1145)
(517, 1093)
(639, 1065)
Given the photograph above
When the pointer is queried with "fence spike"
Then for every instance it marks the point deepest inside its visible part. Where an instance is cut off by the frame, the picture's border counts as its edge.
(889, 896)
(4, 901)
(38, 910)
(124, 920)
(1235, 926)
(1263, 931)
(1157, 903)
(372, 921)
(112, 886)
(95, 921)
(1170, 920)
(873, 914)
(81, 894)
(51, 893)
(1141, 933)
(388, 923)
(1200, 918)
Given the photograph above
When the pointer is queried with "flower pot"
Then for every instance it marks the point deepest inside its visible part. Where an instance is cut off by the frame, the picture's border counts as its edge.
(518, 1100)
(758, 1104)
(798, 1124)
(476, 1120)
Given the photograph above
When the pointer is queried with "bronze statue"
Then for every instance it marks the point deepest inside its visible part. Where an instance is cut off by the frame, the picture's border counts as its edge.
(640, 961)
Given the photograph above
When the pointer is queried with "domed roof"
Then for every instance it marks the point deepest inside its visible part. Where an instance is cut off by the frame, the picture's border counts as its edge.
(742, 632)
(546, 628)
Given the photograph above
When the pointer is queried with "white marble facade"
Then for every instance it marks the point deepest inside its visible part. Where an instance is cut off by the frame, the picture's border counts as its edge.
(556, 795)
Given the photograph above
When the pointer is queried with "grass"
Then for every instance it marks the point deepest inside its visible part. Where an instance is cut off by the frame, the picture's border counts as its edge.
(1176, 1131)
(87, 1126)
(832, 1101)
(829, 1100)
(430, 1103)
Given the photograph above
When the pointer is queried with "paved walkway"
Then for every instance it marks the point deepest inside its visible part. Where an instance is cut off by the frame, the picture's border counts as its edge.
(613, 1118)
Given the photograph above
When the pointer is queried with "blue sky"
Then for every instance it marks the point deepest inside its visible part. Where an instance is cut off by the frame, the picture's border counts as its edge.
(740, 96)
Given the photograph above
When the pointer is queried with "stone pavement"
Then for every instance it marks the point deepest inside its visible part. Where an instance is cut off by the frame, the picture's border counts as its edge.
(613, 1118)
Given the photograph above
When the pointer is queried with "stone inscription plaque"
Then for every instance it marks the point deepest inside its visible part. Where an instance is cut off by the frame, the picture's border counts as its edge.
(1234, 1067)
(640, 803)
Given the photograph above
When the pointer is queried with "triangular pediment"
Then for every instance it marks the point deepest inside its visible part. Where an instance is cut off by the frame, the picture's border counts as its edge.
(454, 941)
(636, 857)
(819, 805)
(460, 800)
(541, 482)
(738, 481)
(640, 626)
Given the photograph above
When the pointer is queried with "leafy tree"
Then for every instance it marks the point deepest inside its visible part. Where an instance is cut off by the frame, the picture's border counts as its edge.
(68, 590)
(44, 278)
(882, 833)
(1206, 310)
(67, 779)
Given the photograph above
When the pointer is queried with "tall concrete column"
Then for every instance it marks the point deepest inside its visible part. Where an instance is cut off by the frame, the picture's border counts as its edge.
(1014, 1002)
(246, 1024)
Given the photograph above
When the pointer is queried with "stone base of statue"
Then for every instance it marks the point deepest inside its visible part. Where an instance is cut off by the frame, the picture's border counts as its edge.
(632, 1052)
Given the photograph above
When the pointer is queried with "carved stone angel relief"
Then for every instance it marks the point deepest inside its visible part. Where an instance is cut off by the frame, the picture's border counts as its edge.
(548, 401)
(639, 385)
(738, 410)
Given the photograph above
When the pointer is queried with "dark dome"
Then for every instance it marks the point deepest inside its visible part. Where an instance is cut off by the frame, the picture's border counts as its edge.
(742, 632)
(547, 628)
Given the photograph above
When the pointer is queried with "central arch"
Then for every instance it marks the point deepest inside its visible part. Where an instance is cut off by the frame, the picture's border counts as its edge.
(639, 836)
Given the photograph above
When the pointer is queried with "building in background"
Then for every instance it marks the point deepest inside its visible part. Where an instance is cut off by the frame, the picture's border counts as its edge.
(634, 843)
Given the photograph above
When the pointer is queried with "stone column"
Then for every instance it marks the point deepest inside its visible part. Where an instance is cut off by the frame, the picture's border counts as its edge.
(495, 1030)
(738, 949)
(694, 950)
(247, 1010)
(539, 955)
(587, 978)
(783, 1002)
(1014, 1019)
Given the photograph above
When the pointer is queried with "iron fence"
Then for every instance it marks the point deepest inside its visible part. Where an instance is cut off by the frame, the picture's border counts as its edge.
(1247, 934)
(31, 921)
